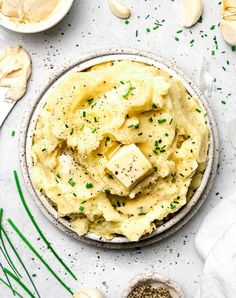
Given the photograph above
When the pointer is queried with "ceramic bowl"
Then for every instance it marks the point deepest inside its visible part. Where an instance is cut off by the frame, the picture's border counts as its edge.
(156, 281)
(55, 17)
(84, 62)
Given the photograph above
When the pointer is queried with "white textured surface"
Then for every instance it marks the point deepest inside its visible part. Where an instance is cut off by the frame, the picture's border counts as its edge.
(89, 26)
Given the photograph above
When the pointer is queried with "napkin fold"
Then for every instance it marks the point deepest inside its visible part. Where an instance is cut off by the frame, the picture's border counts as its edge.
(216, 243)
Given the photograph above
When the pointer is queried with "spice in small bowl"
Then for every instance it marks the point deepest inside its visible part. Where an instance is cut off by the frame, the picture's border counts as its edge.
(152, 285)
(149, 291)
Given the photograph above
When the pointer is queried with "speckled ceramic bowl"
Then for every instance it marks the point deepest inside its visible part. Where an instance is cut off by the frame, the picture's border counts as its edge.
(82, 63)
(55, 17)
(156, 281)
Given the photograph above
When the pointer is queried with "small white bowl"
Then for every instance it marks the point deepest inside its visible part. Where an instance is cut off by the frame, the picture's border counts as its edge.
(156, 281)
(55, 17)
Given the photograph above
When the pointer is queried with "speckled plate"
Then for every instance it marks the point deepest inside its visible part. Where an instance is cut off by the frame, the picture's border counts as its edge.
(79, 64)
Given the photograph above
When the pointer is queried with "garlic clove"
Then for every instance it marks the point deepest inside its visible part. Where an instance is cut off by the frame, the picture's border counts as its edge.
(192, 12)
(228, 29)
(88, 293)
(119, 9)
(228, 21)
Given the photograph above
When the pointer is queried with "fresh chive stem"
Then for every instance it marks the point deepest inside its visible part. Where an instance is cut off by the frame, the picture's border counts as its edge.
(37, 227)
(19, 282)
(4, 249)
(9, 263)
(38, 255)
(9, 286)
(20, 260)
(8, 280)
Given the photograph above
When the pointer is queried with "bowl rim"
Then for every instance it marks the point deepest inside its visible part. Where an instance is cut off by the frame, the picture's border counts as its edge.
(54, 18)
(182, 216)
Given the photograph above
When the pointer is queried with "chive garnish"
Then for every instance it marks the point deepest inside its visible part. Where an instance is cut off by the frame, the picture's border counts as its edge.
(19, 259)
(19, 282)
(171, 120)
(72, 131)
(13, 133)
(4, 250)
(84, 114)
(89, 185)
(8, 280)
(8, 285)
(49, 246)
(160, 121)
(131, 88)
(71, 182)
(81, 208)
(38, 256)
(199, 111)
(90, 100)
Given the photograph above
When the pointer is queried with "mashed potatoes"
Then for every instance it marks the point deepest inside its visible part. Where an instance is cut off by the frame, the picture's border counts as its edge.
(89, 118)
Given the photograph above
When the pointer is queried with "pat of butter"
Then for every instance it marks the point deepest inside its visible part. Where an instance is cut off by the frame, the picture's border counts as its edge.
(129, 166)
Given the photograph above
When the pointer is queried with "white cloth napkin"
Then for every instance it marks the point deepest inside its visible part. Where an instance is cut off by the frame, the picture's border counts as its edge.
(216, 243)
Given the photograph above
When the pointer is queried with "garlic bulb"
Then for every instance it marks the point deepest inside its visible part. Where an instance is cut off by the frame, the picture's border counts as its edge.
(119, 9)
(228, 21)
(88, 293)
(192, 12)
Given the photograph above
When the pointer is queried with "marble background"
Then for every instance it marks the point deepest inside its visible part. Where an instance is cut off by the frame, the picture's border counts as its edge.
(89, 26)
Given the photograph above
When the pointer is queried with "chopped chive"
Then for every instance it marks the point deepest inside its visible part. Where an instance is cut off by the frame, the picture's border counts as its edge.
(81, 208)
(89, 185)
(13, 133)
(150, 119)
(44, 149)
(37, 227)
(199, 111)
(223, 102)
(136, 33)
(90, 100)
(72, 131)
(94, 130)
(233, 48)
(148, 30)
(72, 182)
(126, 22)
(84, 114)
(160, 121)
(81, 128)
(176, 38)
(213, 53)
(212, 27)
(171, 120)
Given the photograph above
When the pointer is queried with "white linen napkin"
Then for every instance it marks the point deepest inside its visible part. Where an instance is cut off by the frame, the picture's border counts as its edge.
(216, 243)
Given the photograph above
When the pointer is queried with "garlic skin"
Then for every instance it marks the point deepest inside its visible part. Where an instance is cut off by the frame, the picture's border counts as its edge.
(228, 21)
(89, 293)
(119, 9)
(192, 10)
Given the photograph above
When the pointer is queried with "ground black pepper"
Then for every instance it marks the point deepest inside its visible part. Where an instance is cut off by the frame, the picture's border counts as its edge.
(148, 291)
